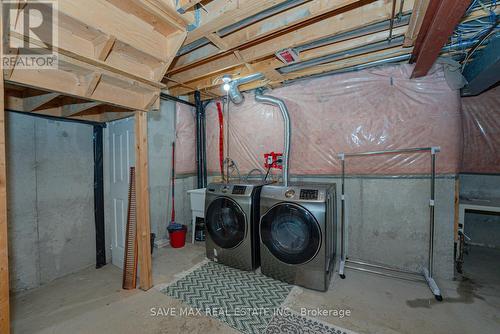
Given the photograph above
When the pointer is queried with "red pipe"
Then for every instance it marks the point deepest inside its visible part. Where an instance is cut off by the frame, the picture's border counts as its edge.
(221, 138)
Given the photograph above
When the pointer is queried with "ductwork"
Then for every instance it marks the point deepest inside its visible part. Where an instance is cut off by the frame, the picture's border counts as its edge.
(267, 99)
(234, 93)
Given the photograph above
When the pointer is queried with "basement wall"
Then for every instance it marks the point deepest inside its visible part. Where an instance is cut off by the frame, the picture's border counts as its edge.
(161, 134)
(51, 199)
(387, 220)
(387, 196)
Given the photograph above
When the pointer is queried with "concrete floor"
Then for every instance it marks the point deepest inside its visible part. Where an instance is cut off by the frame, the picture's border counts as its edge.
(91, 301)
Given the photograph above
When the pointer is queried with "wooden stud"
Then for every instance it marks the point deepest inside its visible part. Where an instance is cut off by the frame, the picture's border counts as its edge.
(457, 209)
(9, 72)
(4, 249)
(102, 50)
(240, 58)
(74, 109)
(32, 103)
(93, 81)
(218, 42)
(151, 104)
(417, 16)
(142, 193)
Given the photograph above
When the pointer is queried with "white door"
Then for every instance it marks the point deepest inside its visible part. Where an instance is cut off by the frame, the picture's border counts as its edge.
(122, 156)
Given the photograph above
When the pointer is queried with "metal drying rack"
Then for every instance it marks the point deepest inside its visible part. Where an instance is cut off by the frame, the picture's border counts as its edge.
(426, 274)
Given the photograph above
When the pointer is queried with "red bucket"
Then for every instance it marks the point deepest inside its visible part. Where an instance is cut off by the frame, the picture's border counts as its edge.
(178, 238)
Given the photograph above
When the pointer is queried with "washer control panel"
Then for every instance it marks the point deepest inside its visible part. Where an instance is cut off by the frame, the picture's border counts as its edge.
(309, 194)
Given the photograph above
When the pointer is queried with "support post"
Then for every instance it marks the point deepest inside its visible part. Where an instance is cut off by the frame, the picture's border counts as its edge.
(342, 221)
(441, 18)
(200, 140)
(4, 249)
(142, 195)
(100, 243)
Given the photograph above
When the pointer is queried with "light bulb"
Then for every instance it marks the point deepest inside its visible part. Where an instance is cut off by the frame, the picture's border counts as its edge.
(226, 87)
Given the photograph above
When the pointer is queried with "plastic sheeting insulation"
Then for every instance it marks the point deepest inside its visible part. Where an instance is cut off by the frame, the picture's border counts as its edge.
(375, 109)
(481, 126)
(185, 139)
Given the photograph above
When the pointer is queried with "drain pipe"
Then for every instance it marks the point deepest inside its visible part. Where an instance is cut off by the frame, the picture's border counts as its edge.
(267, 99)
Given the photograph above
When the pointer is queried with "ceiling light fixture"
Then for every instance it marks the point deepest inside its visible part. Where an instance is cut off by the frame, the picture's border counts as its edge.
(226, 78)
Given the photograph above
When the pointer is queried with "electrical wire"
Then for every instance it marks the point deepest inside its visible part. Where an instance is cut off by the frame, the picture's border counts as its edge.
(475, 47)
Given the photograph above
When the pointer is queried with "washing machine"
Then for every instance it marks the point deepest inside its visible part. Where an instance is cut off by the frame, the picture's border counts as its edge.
(231, 222)
(297, 234)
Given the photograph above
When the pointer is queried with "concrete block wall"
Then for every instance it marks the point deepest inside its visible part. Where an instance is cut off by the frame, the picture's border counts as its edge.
(51, 201)
(161, 134)
(388, 220)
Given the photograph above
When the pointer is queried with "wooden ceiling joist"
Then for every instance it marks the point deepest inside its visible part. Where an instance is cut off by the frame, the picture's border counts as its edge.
(260, 57)
(275, 26)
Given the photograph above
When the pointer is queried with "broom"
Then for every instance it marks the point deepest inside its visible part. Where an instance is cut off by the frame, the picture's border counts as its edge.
(173, 227)
(172, 224)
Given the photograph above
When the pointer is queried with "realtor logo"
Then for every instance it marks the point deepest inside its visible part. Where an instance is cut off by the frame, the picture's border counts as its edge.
(30, 34)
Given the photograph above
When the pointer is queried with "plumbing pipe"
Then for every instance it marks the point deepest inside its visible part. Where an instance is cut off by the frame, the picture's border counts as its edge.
(271, 100)
(234, 93)
(221, 138)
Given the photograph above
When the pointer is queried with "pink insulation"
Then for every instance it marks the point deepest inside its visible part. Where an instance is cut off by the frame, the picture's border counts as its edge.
(375, 109)
(185, 139)
(481, 125)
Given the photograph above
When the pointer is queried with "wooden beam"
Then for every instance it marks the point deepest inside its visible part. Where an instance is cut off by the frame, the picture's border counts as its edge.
(4, 249)
(417, 17)
(443, 22)
(142, 195)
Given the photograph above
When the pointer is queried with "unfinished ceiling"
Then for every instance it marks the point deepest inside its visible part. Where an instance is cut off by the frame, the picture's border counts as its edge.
(241, 38)
(117, 56)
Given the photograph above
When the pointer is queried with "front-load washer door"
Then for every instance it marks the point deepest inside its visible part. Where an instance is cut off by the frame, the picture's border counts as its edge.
(225, 222)
(291, 233)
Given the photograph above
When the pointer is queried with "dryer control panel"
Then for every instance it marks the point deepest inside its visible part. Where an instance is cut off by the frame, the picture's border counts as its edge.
(239, 190)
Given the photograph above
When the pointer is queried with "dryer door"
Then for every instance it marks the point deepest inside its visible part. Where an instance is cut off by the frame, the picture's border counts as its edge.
(225, 222)
(291, 233)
